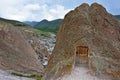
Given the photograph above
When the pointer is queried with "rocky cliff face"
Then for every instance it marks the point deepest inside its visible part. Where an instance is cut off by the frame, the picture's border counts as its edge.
(15, 52)
(91, 27)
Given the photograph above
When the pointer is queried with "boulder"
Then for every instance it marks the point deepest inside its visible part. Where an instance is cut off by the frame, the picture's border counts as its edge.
(16, 54)
(92, 35)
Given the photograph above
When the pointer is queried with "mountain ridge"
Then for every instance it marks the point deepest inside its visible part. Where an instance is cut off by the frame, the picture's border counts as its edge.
(45, 25)
(13, 22)
(31, 23)
(51, 26)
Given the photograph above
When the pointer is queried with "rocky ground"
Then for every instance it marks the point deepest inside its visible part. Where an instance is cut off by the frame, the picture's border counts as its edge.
(37, 44)
(7, 76)
(42, 42)
(15, 52)
(81, 73)
(46, 42)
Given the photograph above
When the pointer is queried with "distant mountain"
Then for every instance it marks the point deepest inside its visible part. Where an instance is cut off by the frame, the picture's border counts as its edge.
(117, 16)
(14, 22)
(51, 26)
(24, 26)
(31, 23)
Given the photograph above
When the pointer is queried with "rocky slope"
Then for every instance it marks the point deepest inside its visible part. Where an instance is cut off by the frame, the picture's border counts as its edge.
(23, 49)
(42, 43)
(15, 53)
(97, 35)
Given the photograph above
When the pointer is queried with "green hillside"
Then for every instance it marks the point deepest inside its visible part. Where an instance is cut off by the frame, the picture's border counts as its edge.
(50, 26)
(31, 23)
(14, 22)
(24, 26)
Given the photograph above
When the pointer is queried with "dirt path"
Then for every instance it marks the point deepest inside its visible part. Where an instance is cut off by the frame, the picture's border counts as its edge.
(80, 73)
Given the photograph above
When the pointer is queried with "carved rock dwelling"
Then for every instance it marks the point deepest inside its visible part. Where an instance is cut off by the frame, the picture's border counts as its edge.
(88, 35)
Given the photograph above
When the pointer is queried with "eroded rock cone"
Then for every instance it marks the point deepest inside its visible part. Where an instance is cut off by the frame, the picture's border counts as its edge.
(15, 53)
(91, 34)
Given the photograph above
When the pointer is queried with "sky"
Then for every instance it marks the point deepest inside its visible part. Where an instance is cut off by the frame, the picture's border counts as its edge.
(37, 10)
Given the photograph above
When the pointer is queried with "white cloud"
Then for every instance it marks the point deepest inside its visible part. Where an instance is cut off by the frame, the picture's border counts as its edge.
(54, 12)
(46, 9)
(26, 10)
(32, 7)
(9, 7)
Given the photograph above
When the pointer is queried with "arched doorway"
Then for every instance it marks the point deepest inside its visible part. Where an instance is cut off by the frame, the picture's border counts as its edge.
(81, 56)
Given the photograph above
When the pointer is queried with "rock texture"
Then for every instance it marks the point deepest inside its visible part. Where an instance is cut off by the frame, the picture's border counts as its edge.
(92, 27)
(15, 52)
(41, 43)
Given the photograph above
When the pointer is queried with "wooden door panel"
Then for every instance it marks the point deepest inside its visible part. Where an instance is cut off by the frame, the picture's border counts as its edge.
(82, 53)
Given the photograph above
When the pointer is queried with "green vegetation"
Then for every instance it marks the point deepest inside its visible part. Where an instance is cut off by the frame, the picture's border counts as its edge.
(43, 26)
(14, 22)
(35, 76)
(27, 27)
(31, 23)
(1, 24)
(40, 32)
(49, 26)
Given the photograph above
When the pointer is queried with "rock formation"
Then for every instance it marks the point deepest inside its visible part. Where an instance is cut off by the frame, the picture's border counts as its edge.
(15, 52)
(34, 40)
(41, 44)
(91, 34)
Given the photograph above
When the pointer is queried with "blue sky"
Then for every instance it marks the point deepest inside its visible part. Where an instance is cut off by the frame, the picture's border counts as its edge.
(37, 10)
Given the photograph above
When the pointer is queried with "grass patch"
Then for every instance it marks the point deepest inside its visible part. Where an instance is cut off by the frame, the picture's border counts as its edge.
(38, 32)
(41, 32)
(48, 30)
(1, 24)
(35, 76)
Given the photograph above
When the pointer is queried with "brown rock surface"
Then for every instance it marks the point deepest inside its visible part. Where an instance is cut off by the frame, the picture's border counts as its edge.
(37, 42)
(15, 53)
(92, 27)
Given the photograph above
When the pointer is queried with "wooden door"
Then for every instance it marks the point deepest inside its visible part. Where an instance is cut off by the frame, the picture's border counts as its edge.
(82, 54)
